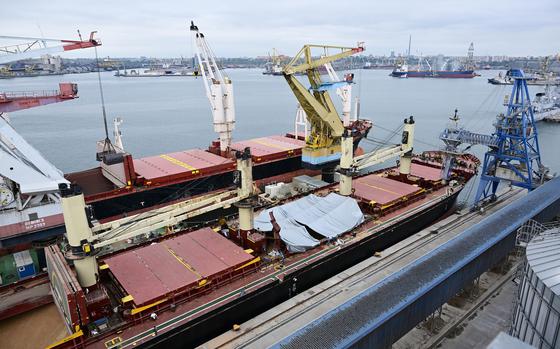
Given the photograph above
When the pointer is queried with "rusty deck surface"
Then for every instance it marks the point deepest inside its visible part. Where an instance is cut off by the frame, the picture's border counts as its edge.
(381, 190)
(426, 172)
(183, 164)
(271, 147)
(151, 272)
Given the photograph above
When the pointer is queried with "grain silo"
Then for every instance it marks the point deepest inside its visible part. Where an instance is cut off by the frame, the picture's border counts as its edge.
(537, 310)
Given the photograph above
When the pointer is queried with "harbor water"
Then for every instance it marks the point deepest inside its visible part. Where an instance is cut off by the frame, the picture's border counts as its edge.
(166, 114)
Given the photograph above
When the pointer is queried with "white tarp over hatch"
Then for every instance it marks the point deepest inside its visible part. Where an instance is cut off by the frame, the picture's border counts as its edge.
(329, 216)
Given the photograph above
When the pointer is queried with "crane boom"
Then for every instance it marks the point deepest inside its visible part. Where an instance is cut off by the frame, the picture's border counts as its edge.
(34, 47)
(219, 89)
(323, 143)
(345, 94)
(350, 166)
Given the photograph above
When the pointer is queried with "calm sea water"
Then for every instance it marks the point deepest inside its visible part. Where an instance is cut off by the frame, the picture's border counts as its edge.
(172, 113)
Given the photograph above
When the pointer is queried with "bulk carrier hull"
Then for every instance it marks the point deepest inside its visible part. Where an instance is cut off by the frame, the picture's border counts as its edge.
(219, 320)
(462, 74)
(278, 159)
(412, 203)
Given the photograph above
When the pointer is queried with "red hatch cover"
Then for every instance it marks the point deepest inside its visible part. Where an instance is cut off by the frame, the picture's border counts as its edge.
(380, 189)
(150, 273)
(270, 146)
(426, 172)
(188, 162)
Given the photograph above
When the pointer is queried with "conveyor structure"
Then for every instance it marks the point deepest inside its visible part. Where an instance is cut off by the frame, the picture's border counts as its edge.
(373, 304)
(385, 311)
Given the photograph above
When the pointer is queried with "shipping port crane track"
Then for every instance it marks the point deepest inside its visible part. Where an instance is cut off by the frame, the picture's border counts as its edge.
(323, 295)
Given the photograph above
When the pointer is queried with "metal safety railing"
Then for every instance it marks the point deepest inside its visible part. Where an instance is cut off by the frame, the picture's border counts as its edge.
(27, 94)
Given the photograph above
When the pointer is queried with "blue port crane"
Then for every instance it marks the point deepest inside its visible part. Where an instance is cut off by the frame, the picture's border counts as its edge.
(516, 158)
(513, 154)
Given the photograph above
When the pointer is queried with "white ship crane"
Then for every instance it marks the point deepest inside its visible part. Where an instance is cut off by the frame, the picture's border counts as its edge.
(350, 165)
(87, 239)
(344, 91)
(219, 89)
(23, 164)
(117, 134)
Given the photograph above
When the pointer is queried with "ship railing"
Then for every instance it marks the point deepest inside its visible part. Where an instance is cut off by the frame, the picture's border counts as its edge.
(27, 94)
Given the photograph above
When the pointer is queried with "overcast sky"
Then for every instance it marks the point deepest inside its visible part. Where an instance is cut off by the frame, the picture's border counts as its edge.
(251, 28)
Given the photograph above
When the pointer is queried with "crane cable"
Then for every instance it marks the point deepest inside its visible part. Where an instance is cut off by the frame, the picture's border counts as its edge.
(381, 144)
(107, 140)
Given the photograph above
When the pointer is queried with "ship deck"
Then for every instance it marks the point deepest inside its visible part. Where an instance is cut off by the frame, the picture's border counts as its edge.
(91, 181)
(184, 166)
(181, 166)
(265, 149)
(159, 270)
(185, 312)
(376, 189)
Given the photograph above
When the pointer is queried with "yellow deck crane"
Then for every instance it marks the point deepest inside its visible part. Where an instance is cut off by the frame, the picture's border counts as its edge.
(323, 141)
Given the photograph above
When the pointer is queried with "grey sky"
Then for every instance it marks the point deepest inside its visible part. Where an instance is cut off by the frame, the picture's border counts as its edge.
(253, 27)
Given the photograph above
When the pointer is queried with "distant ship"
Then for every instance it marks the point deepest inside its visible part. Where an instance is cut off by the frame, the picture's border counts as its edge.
(156, 73)
(542, 77)
(536, 79)
(446, 74)
(274, 66)
(402, 69)
(546, 106)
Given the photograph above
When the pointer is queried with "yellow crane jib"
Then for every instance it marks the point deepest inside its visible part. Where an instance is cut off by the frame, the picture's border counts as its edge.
(323, 142)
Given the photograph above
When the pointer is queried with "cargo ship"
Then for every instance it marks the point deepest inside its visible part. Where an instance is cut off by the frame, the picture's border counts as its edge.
(145, 280)
(402, 69)
(184, 288)
(542, 77)
(444, 74)
(536, 79)
(123, 185)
